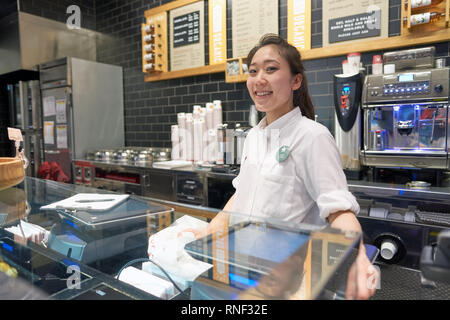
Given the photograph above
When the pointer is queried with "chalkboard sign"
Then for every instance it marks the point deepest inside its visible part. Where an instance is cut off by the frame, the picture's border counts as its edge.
(186, 29)
(357, 26)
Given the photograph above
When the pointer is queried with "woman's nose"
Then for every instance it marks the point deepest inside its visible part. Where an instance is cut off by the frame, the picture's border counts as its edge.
(260, 78)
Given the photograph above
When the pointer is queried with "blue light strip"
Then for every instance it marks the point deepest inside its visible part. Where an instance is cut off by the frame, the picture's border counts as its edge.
(70, 223)
(242, 280)
(7, 247)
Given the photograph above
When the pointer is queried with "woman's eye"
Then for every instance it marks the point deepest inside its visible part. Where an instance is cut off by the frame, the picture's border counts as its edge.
(252, 71)
(271, 69)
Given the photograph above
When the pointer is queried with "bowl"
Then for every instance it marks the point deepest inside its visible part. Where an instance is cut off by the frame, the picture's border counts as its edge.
(12, 172)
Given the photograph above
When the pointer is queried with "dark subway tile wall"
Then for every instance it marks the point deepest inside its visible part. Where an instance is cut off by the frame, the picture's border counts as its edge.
(151, 107)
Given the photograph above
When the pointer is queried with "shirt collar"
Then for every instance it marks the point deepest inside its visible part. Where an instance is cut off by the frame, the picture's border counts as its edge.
(281, 122)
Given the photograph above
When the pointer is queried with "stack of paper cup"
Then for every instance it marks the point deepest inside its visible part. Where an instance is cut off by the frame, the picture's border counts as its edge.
(389, 68)
(182, 134)
(198, 139)
(212, 145)
(377, 64)
(196, 112)
(189, 135)
(353, 60)
(217, 113)
(205, 141)
(345, 67)
(175, 138)
(209, 115)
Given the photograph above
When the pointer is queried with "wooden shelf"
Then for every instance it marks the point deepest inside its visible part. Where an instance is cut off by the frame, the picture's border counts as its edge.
(412, 39)
(215, 68)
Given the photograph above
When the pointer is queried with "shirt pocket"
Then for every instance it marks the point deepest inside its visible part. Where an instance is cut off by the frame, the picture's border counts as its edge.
(275, 196)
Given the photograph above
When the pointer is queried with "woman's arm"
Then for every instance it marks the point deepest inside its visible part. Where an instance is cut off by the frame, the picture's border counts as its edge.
(362, 269)
(217, 223)
(222, 218)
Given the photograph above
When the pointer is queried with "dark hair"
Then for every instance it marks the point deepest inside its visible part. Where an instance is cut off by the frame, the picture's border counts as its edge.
(292, 56)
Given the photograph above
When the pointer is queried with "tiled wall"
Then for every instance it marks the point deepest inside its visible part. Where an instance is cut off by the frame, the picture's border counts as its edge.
(150, 108)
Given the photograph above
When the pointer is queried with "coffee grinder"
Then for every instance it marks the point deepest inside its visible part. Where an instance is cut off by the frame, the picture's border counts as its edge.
(347, 124)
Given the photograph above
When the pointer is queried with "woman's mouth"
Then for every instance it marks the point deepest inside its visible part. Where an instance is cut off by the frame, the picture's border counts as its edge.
(263, 93)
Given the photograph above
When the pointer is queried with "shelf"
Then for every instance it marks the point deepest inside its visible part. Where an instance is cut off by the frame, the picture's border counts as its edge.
(215, 68)
(412, 39)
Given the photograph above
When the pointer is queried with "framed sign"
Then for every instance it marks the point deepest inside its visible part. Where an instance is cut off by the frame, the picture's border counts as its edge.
(251, 19)
(217, 31)
(350, 21)
(187, 45)
(299, 24)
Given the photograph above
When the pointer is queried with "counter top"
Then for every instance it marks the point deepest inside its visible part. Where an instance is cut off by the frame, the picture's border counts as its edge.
(354, 185)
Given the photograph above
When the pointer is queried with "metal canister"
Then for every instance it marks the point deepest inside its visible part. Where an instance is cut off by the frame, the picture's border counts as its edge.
(239, 135)
(222, 143)
(379, 139)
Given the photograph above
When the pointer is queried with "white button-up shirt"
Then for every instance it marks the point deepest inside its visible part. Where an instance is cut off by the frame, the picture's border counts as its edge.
(304, 188)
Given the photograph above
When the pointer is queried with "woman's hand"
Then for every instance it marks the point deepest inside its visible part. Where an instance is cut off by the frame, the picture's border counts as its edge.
(362, 278)
(197, 233)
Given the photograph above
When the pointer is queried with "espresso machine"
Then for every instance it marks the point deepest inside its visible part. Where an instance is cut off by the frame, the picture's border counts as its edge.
(405, 114)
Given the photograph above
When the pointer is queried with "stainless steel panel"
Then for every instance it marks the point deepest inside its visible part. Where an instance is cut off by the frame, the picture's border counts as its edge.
(161, 185)
(28, 40)
(437, 79)
(55, 75)
(97, 98)
(439, 161)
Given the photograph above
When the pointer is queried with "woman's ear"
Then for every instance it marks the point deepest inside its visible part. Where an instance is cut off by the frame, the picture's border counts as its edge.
(297, 82)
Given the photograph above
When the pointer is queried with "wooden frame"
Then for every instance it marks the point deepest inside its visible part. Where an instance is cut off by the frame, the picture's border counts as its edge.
(241, 76)
(406, 12)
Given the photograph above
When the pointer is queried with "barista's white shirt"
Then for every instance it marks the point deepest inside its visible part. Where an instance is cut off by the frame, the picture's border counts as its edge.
(306, 187)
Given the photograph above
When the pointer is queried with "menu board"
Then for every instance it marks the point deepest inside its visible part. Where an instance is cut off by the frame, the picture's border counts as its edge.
(186, 29)
(251, 19)
(187, 44)
(348, 20)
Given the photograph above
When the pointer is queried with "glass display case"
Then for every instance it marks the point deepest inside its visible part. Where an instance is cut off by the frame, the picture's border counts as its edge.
(143, 249)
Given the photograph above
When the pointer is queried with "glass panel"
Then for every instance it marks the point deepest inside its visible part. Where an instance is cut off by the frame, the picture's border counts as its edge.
(237, 258)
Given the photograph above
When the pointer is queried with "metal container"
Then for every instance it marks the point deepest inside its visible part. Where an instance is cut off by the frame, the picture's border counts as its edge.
(107, 155)
(222, 144)
(161, 154)
(90, 155)
(418, 185)
(379, 139)
(144, 157)
(239, 137)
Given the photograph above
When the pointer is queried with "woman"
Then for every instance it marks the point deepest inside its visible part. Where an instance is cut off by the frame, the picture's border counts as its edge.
(291, 168)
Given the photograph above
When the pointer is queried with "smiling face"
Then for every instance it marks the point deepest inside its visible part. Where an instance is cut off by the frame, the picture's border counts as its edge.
(271, 83)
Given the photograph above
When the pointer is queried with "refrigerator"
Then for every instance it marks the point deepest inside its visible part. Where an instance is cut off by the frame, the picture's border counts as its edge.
(82, 109)
(24, 102)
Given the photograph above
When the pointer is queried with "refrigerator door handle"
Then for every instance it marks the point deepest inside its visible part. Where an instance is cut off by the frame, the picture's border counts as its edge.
(72, 124)
(52, 151)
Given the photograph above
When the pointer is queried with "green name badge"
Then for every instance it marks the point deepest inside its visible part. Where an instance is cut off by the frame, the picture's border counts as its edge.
(283, 153)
